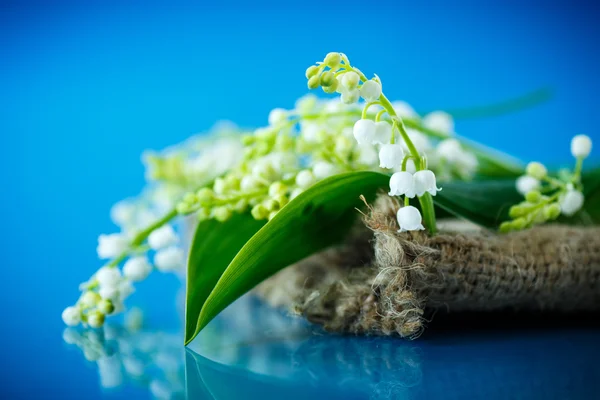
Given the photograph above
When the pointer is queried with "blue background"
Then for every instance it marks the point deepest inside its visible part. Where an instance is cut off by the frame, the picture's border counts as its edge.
(86, 87)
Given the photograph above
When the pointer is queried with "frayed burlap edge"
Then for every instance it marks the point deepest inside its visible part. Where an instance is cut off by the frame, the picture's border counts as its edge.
(381, 282)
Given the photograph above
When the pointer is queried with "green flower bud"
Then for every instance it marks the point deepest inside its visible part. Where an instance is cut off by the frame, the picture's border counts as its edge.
(190, 198)
(205, 195)
(519, 223)
(270, 205)
(328, 79)
(183, 208)
(106, 307)
(314, 82)
(232, 182)
(533, 197)
(311, 71)
(203, 214)
(517, 211)
(285, 142)
(552, 211)
(536, 170)
(277, 188)
(332, 88)
(219, 186)
(222, 213)
(333, 60)
(282, 200)
(259, 212)
(90, 299)
(95, 319)
(506, 227)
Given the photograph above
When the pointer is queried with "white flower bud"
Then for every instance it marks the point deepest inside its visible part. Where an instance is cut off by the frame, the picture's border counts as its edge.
(370, 90)
(169, 259)
(71, 316)
(424, 181)
(581, 145)
(350, 80)
(536, 170)
(439, 121)
(108, 276)
(106, 306)
(126, 289)
(162, 237)
(383, 132)
(249, 184)
(276, 116)
(571, 202)
(390, 156)
(409, 219)
(322, 170)
(401, 183)
(364, 131)
(123, 213)
(89, 299)
(526, 184)
(95, 319)
(111, 246)
(305, 179)
(109, 292)
(137, 268)
(350, 96)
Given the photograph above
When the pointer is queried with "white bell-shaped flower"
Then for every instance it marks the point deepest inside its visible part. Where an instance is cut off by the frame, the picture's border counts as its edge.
(526, 184)
(439, 121)
(137, 268)
(364, 131)
(390, 156)
(111, 246)
(383, 132)
(409, 219)
(402, 184)
(162, 237)
(277, 116)
(323, 169)
(169, 259)
(108, 276)
(305, 179)
(71, 316)
(424, 181)
(450, 150)
(350, 80)
(350, 96)
(581, 146)
(571, 202)
(370, 90)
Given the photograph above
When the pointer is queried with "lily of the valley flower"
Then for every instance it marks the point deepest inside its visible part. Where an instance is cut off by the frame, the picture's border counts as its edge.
(526, 184)
(401, 184)
(110, 246)
(409, 219)
(137, 268)
(162, 237)
(424, 182)
(581, 145)
(391, 156)
(571, 202)
(364, 131)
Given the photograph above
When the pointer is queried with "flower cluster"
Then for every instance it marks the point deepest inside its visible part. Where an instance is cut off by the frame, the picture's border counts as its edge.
(547, 197)
(335, 74)
(232, 171)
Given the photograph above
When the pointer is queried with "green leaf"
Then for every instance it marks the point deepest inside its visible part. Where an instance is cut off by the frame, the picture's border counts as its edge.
(318, 218)
(213, 247)
(484, 203)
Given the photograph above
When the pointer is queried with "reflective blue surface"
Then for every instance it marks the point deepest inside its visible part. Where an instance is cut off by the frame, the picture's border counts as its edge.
(253, 351)
(85, 87)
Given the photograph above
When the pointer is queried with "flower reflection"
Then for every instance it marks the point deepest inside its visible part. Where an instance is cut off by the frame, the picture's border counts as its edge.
(132, 355)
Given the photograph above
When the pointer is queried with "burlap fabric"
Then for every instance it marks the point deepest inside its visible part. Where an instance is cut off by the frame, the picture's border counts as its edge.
(382, 282)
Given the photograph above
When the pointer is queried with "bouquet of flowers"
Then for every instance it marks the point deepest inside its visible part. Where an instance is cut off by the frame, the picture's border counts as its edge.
(347, 194)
